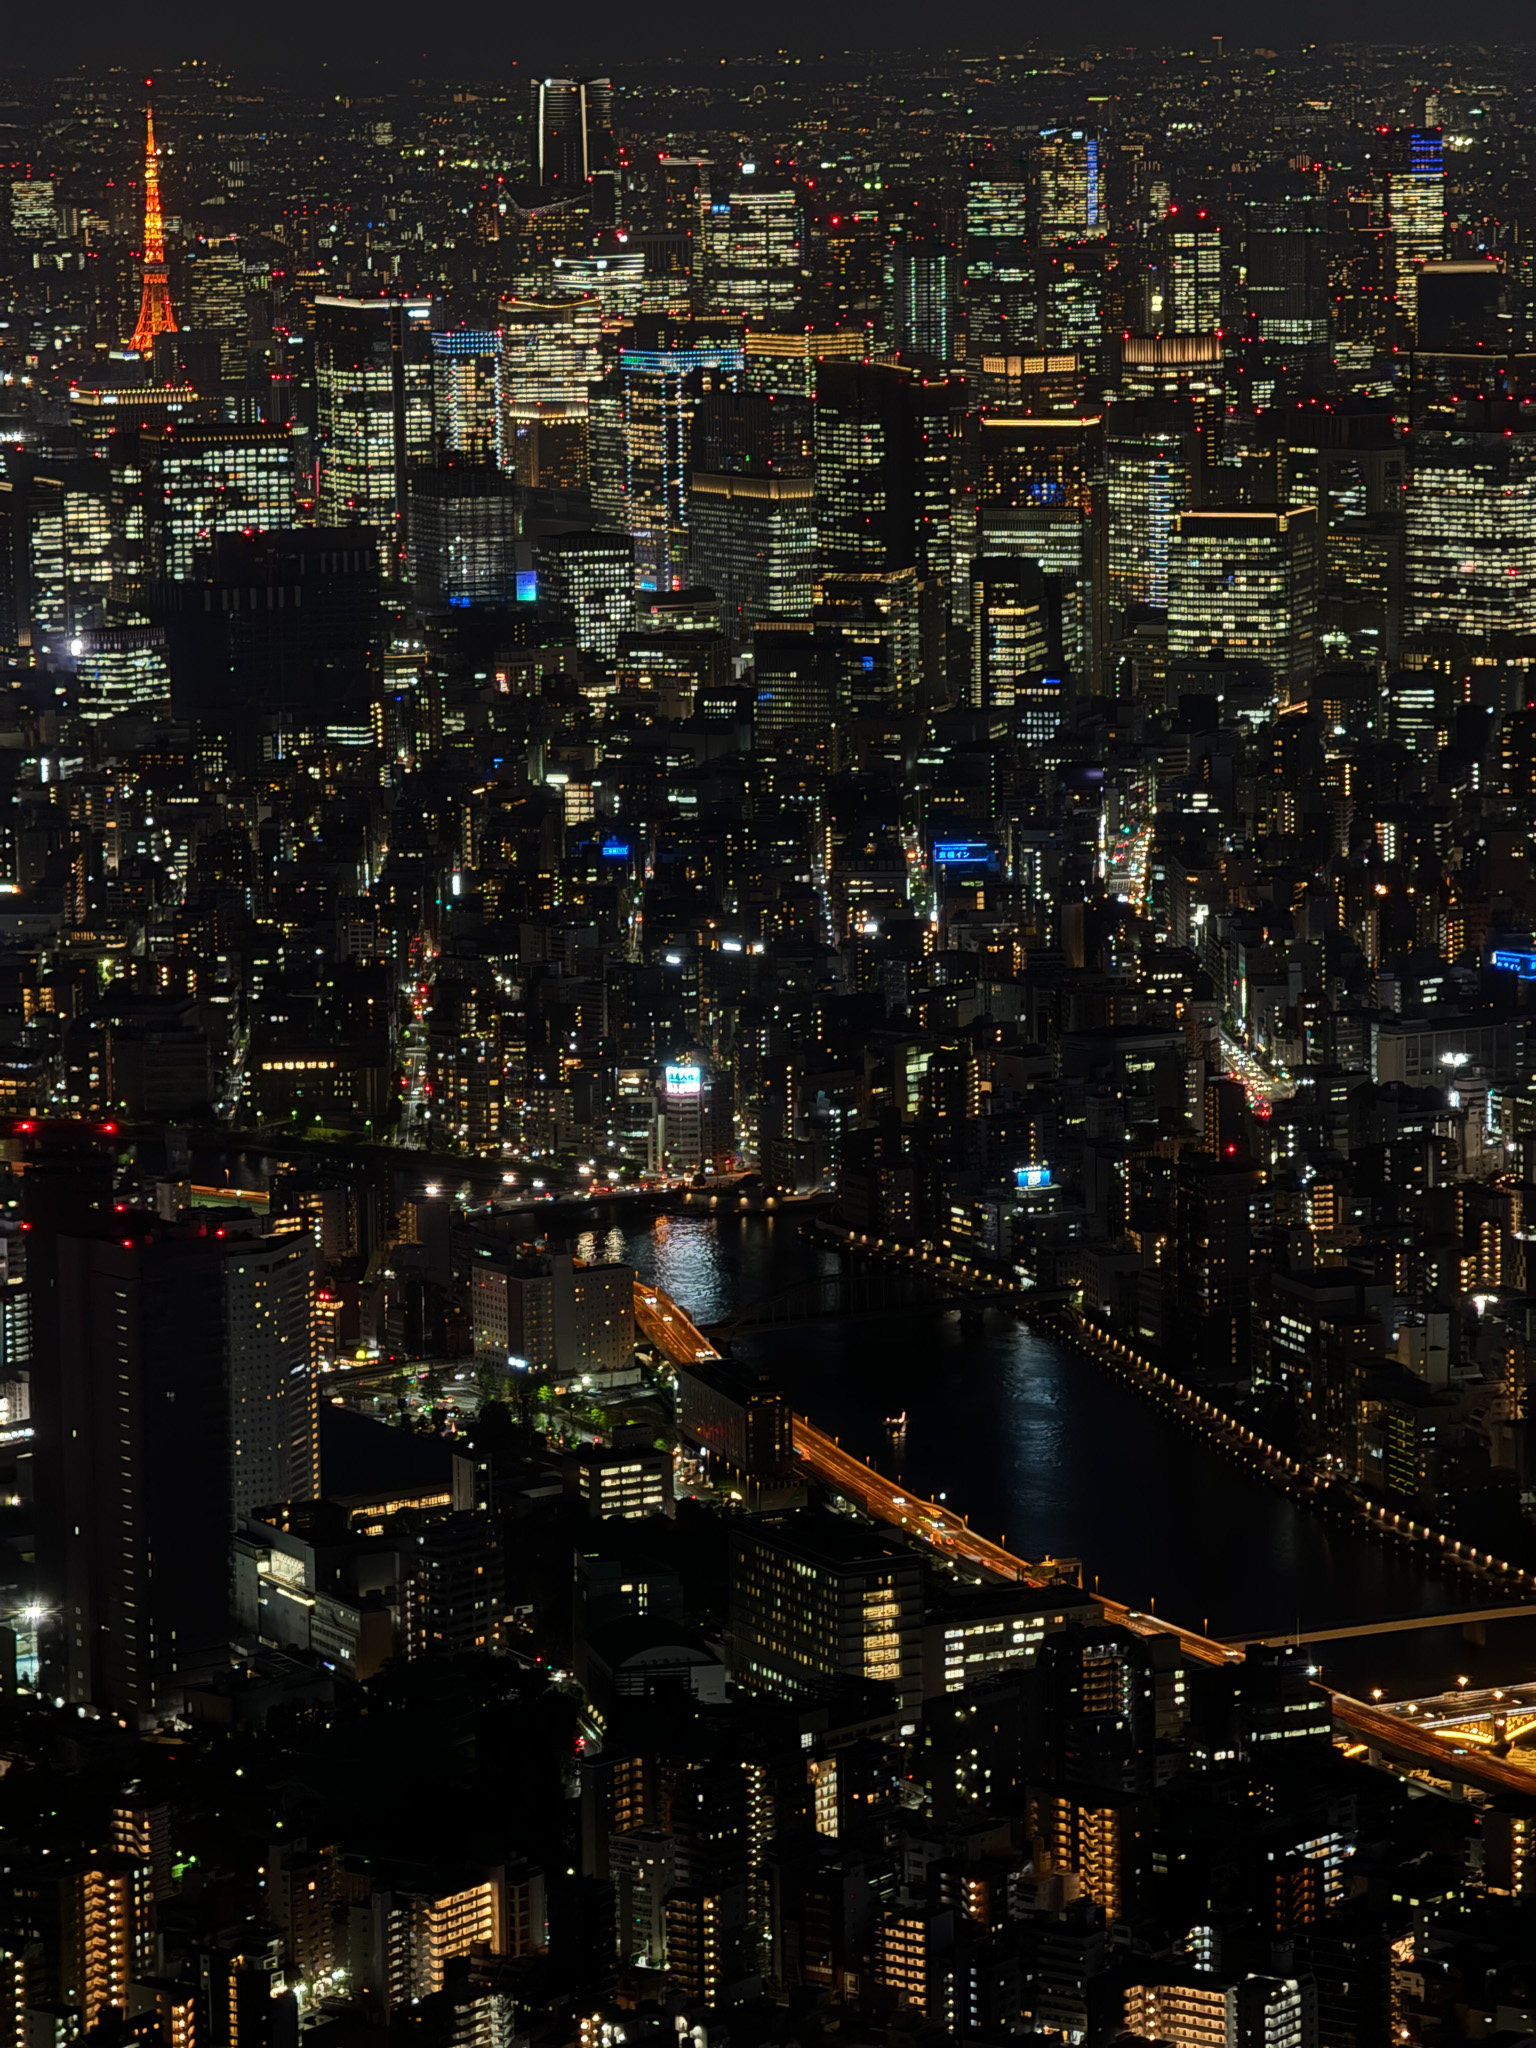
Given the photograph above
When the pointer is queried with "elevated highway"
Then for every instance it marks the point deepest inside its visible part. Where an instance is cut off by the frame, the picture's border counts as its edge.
(1410, 1739)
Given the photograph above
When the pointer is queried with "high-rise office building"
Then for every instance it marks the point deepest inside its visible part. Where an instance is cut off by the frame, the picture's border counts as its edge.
(1070, 185)
(61, 548)
(1151, 468)
(815, 1597)
(640, 468)
(464, 527)
(1010, 631)
(572, 125)
(1242, 587)
(747, 246)
(922, 273)
(999, 267)
(752, 540)
(1348, 458)
(269, 1346)
(846, 258)
(275, 621)
(797, 674)
(1074, 298)
(887, 449)
(751, 506)
(1180, 366)
(1038, 483)
(591, 573)
(1192, 293)
(217, 301)
(550, 357)
(467, 404)
(784, 362)
(34, 209)
(373, 410)
(174, 488)
(883, 622)
(921, 316)
(1470, 538)
(1416, 210)
(1281, 301)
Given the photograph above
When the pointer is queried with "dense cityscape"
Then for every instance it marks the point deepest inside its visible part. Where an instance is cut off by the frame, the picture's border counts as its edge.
(911, 673)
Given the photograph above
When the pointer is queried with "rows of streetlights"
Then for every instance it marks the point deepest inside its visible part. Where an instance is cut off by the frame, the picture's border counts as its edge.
(1222, 1424)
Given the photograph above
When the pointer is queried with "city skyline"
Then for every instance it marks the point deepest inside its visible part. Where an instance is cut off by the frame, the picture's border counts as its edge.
(768, 1045)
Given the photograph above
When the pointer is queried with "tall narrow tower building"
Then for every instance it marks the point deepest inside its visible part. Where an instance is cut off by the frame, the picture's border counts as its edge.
(155, 312)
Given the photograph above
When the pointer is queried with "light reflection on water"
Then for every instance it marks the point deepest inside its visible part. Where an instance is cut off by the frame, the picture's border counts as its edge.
(1039, 1447)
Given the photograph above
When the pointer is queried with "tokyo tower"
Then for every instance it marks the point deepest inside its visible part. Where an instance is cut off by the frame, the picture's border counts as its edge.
(155, 314)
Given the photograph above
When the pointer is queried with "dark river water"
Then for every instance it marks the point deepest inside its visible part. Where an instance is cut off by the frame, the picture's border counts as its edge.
(1038, 1447)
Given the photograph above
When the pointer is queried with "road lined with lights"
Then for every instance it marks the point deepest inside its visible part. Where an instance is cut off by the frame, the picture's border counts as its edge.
(670, 1329)
(1264, 1086)
(1388, 1729)
(675, 1335)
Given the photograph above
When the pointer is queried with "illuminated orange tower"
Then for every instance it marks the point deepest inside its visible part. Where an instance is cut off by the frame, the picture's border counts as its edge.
(155, 314)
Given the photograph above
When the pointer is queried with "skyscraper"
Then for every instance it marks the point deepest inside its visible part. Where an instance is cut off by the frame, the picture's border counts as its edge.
(1071, 189)
(751, 505)
(1281, 328)
(887, 448)
(467, 402)
(464, 529)
(217, 293)
(653, 392)
(373, 405)
(752, 539)
(269, 1349)
(1192, 301)
(1416, 210)
(1242, 587)
(572, 129)
(999, 282)
(276, 621)
(1470, 541)
(1151, 462)
(550, 357)
(746, 251)
(922, 281)
(174, 487)
(159, 1367)
(1010, 630)
(1038, 480)
(155, 313)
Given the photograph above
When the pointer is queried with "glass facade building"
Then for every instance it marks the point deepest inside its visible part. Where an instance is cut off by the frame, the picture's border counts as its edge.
(373, 409)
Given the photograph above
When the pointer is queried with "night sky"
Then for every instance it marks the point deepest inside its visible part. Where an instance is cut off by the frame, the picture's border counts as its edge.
(487, 38)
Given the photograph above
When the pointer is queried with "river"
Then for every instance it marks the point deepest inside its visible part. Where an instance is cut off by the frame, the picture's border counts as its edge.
(1037, 1446)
